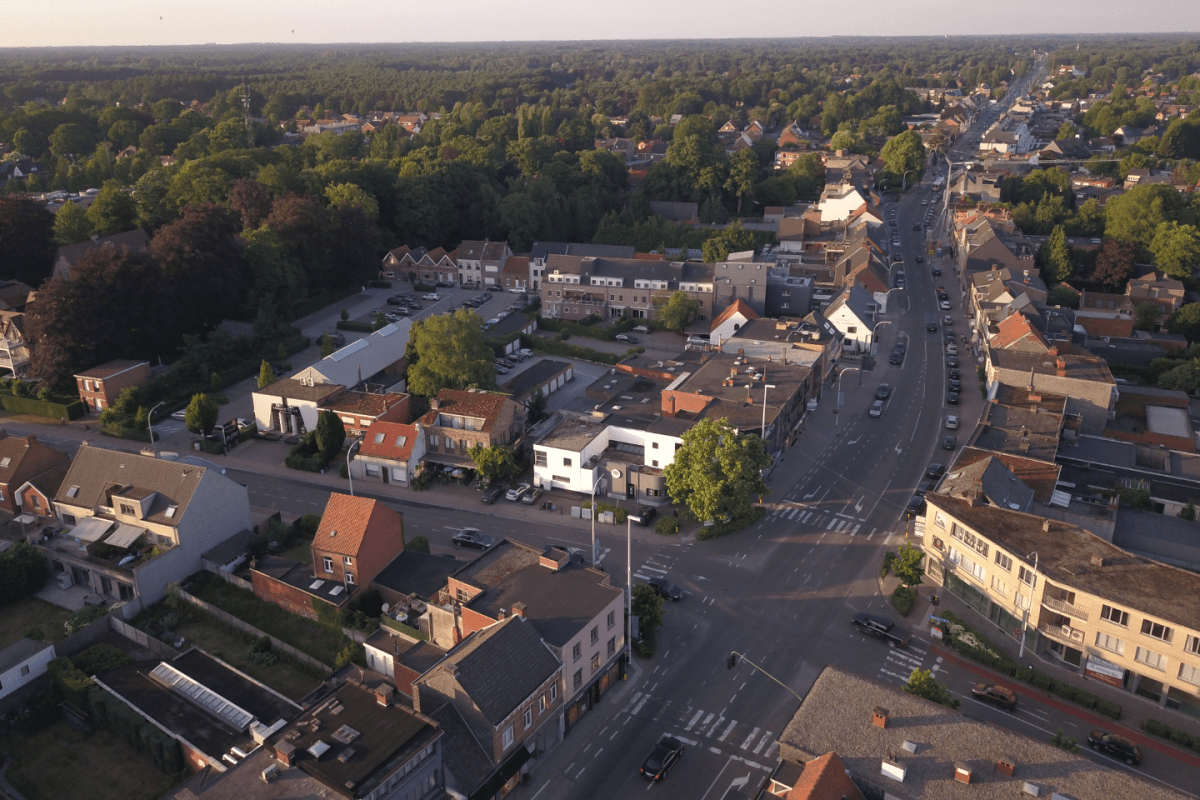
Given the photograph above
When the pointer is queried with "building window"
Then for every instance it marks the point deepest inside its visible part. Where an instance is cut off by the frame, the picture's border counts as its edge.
(566, 462)
(969, 539)
(595, 634)
(1027, 577)
(654, 445)
(577, 651)
(350, 578)
(24, 670)
(507, 737)
(528, 718)
(612, 619)
(553, 692)
(1109, 642)
(1192, 645)
(1115, 615)
(999, 587)
(1151, 658)
(612, 645)
(542, 703)
(127, 509)
(348, 561)
(577, 679)
(595, 663)
(1003, 561)
(327, 563)
(1156, 630)
(539, 458)
(372, 470)
(1190, 674)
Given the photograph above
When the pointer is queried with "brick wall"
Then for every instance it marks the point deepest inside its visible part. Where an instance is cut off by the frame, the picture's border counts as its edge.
(473, 621)
(281, 594)
(674, 401)
(1184, 444)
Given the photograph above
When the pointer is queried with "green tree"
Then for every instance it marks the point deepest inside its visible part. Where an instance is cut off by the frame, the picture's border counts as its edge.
(201, 414)
(330, 434)
(1063, 295)
(921, 683)
(907, 565)
(1136, 215)
(123, 133)
(1055, 256)
(1188, 512)
(717, 472)
(493, 463)
(266, 375)
(1064, 742)
(904, 152)
(1114, 264)
(646, 605)
(71, 225)
(352, 195)
(1145, 316)
(1176, 249)
(694, 146)
(71, 140)
(418, 544)
(743, 172)
(1186, 322)
(448, 352)
(327, 345)
(114, 210)
(676, 311)
(1183, 378)
(537, 405)
(1065, 131)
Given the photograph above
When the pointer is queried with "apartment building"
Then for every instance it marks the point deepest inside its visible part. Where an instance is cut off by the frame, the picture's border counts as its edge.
(1115, 617)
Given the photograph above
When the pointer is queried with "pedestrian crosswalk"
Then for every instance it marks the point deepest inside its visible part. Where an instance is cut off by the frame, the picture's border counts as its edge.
(899, 664)
(694, 726)
(832, 522)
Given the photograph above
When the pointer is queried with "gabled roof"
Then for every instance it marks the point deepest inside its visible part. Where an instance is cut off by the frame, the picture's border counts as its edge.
(517, 265)
(853, 298)
(1016, 329)
(467, 403)
(825, 778)
(738, 306)
(988, 479)
(110, 368)
(390, 440)
(345, 521)
(95, 471)
(500, 666)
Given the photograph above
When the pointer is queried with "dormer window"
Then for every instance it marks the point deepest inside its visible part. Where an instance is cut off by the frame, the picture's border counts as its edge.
(127, 510)
(171, 511)
(73, 491)
(4, 462)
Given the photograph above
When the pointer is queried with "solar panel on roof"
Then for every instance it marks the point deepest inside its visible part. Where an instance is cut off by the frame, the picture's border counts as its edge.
(202, 696)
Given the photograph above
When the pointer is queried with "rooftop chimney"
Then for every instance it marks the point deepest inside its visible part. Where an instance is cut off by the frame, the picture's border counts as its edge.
(383, 695)
(962, 772)
(1006, 765)
(284, 751)
(518, 610)
(1060, 365)
(1045, 526)
(555, 558)
(879, 717)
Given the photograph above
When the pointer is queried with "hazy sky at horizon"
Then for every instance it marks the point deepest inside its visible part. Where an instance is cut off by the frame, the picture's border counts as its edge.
(165, 22)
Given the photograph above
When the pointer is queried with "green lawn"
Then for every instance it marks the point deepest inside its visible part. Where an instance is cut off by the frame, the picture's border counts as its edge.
(32, 612)
(59, 763)
(319, 641)
(231, 648)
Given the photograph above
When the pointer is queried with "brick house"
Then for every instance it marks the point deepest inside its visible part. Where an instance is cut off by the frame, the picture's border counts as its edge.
(480, 263)
(357, 538)
(516, 274)
(459, 419)
(359, 410)
(24, 459)
(389, 453)
(100, 386)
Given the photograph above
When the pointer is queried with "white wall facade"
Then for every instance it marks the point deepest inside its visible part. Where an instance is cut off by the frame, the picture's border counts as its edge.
(27, 671)
(659, 452)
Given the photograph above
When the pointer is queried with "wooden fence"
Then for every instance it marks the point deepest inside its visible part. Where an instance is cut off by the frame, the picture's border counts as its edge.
(160, 649)
(246, 627)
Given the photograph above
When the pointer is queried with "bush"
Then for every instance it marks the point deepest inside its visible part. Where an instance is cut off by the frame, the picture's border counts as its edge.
(71, 681)
(1174, 735)
(903, 599)
(354, 325)
(101, 658)
(41, 408)
(82, 618)
(418, 544)
(666, 526)
(558, 347)
(261, 652)
(888, 558)
(732, 526)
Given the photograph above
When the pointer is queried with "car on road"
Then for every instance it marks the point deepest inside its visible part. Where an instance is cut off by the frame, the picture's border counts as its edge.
(876, 409)
(944, 305)
(883, 392)
(935, 272)
(433, 296)
(935, 470)
(916, 505)
(949, 443)
(626, 338)
(491, 495)
(916, 226)
(881, 627)
(996, 695)
(897, 356)
(1115, 746)
(644, 515)
(666, 752)
(514, 494)
(952, 398)
(641, 329)
(951, 361)
(664, 588)
(532, 497)
(894, 223)
(473, 537)
(919, 258)
(951, 423)
(179, 415)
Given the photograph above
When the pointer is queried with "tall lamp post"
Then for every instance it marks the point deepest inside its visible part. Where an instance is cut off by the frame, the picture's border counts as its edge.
(594, 485)
(628, 594)
(874, 340)
(350, 450)
(842, 372)
(764, 420)
(1032, 589)
(904, 180)
(150, 426)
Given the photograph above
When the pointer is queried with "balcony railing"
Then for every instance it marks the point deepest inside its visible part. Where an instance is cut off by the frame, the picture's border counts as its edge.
(1064, 633)
(1064, 607)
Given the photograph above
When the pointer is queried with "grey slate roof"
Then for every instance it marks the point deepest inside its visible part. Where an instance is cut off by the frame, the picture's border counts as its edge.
(96, 470)
(995, 482)
(502, 665)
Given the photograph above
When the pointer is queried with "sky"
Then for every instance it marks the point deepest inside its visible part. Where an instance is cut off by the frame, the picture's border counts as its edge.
(166, 22)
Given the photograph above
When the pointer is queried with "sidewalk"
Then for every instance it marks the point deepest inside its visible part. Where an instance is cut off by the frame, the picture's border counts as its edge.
(1134, 708)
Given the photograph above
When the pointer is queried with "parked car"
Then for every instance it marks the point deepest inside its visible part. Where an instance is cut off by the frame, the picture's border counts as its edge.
(1115, 746)
(951, 361)
(525, 351)
(666, 752)
(951, 423)
(514, 494)
(916, 505)
(935, 272)
(955, 385)
(504, 362)
(880, 627)
(491, 495)
(644, 515)
(876, 409)
(473, 537)
(531, 497)
(179, 415)
(952, 348)
(955, 375)
(664, 588)
(883, 392)
(952, 398)
(626, 338)
(935, 470)
(949, 443)
(433, 296)
(395, 300)
(996, 695)
(640, 329)
(944, 305)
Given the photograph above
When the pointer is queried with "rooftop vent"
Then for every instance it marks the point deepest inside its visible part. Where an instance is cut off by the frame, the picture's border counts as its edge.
(1006, 765)
(269, 773)
(1099, 561)
(962, 772)
(1031, 789)
(892, 770)
(909, 747)
(879, 717)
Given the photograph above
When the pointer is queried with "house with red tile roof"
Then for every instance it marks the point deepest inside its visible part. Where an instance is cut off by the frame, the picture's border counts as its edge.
(389, 453)
(515, 275)
(359, 410)
(730, 321)
(357, 538)
(459, 419)
(24, 459)
(1017, 333)
(823, 778)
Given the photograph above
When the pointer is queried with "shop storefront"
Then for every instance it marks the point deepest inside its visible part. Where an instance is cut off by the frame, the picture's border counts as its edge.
(594, 691)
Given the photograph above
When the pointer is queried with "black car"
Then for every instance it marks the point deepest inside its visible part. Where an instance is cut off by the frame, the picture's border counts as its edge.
(626, 338)
(935, 470)
(955, 385)
(996, 695)
(919, 258)
(1115, 746)
(883, 392)
(881, 627)
(395, 300)
(949, 443)
(644, 515)
(664, 588)
(952, 398)
(951, 361)
(935, 272)
(472, 537)
(955, 374)
(491, 495)
(666, 752)
(916, 505)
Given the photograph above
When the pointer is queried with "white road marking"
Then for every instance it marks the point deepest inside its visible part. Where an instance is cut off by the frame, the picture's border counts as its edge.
(692, 724)
(750, 738)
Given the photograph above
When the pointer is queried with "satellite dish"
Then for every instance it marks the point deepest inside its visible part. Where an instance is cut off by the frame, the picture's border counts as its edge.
(385, 607)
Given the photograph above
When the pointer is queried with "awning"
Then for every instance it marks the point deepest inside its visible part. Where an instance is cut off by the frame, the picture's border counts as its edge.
(91, 529)
(124, 535)
(26, 519)
(500, 777)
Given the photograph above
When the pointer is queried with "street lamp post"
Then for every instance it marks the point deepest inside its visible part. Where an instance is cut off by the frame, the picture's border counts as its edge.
(628, 594)
(764, 420)
(150, 426)
(838, 402)
(874, 340)
(349, 474)
(904, 180)
(1032, 589)
(594, 485)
